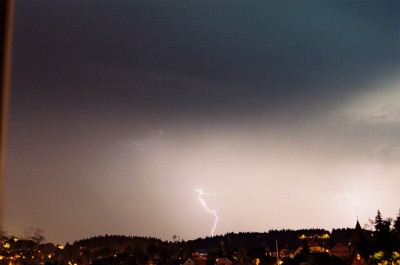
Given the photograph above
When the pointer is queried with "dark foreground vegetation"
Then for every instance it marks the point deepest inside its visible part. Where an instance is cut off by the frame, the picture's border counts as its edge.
(380, 244)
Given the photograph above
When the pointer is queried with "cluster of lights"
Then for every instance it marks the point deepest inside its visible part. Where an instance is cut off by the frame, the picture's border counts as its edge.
(324, 236)
(14, 254)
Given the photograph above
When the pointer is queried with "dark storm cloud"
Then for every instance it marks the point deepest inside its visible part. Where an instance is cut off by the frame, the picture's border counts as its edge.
(121, 109)
(267, 54)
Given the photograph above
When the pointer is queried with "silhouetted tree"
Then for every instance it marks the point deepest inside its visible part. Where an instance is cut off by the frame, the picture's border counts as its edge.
(383, 240)
(34, 234)
(396, 231)
(396, 226)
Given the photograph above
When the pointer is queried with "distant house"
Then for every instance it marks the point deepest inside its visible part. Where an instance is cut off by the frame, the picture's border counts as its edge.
(297, 251)
(340, 251)
(200, 254)
(357, 251)
(223, 261)
(359, 246)
(189, 261)
(286, 253)
(314, 246)
(199, 257)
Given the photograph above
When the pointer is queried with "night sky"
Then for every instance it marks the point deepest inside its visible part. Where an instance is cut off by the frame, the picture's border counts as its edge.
(286, 112)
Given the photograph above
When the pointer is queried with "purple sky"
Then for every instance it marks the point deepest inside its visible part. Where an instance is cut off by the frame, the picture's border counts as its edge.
(286, 112)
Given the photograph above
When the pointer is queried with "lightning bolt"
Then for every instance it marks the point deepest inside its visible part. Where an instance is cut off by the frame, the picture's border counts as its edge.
(211, 211)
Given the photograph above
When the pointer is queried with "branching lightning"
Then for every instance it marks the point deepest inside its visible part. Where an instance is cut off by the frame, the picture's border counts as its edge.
(211, 211)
